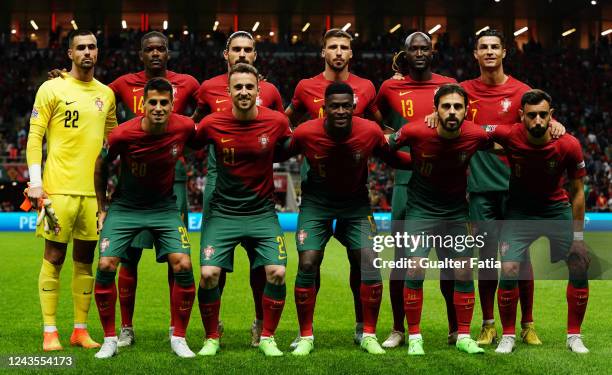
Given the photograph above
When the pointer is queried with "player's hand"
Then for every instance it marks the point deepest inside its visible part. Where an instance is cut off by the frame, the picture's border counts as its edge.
(54, 73)
(397, 76)
(579, 251)
(35, 195)
(101, 217)
(432, 120)
(556, 129)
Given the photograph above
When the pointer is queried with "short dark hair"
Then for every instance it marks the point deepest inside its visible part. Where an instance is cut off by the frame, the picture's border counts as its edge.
(152, 34)
(243, 68)
(450, 88)
(78, 32)
(336, 33)
(338, 88)
(534, 97)
(158, 84)
(238, 34)
(490, 32)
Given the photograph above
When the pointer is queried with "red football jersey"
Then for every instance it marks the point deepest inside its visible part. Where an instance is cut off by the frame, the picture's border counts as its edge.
(309, 95)
(538, 170)
(492, 104)
(440, 164)
(244, 153)
(148, 160)
(130, 89)
(213, 95)
(409, 99)
(338, 169)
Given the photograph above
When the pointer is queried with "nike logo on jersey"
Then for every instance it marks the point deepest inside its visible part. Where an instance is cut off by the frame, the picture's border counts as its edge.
(225, 140)
(474, 101)
(137, 89)
(47, 290)
(402, 93)
(87, 293)
(427, 155)
(320, 156)
(217, 101)
(318, 100)
(68, 103)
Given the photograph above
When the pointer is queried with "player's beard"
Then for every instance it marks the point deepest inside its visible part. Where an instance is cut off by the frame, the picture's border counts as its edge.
(538, 131)
(335, 68)
(453, 127)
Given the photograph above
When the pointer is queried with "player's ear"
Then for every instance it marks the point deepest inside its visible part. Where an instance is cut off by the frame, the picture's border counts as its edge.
(323, 52)
(140, 55)
(503, 53)
(552, 110)
(254, 56)
(225, 53)
(70, 53)
(522, 115)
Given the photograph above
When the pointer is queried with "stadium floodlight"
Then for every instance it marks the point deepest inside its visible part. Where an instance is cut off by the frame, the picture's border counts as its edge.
(185, 32)
(215, 25)
(74, 25)
(124, 24)
(520, 31)
(356, 35)
(346, 27)
(255, 26)
(271, 33)
(497, 1)
(395, 28)
(434, 29)
(165, 25)
(593, 2)
(603, 33)
(14, 31)
(568, 32)
(482, 30)
(34, 25)
(306, 26)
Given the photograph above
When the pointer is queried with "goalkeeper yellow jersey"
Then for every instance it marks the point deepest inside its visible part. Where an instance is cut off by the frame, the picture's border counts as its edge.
(75, 117)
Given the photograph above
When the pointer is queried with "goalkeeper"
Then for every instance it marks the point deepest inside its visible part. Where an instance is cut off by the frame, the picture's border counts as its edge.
(74, 115)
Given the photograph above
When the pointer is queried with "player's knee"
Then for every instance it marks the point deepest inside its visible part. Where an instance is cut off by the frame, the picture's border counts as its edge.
(275, 275)
(576, 267)
(463, 274)
(510, 270)
(108, 264)
(180, 262)
(308, 265)
(210, 276)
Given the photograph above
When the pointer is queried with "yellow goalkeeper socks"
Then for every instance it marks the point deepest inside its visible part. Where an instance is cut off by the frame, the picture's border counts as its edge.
(82, 288)
(48, 290)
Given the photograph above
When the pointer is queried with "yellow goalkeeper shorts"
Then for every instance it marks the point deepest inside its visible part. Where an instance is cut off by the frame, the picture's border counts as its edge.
(77, 218)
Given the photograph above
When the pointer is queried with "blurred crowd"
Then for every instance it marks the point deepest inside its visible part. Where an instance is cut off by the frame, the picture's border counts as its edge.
(578, 80)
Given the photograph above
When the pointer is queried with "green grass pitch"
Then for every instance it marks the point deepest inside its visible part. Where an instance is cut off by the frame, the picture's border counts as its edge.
(21, 325)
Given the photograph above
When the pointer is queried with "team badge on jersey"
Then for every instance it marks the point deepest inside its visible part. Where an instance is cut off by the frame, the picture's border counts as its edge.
(99, 104)
(357, 156)
(258, 100)
(208, 252)
(505, 104)
(264, 141)
(355, 100)
(551, 165)
(34, 114)
(302, 235)
(174, 151)
(463, 157)
(104, 244)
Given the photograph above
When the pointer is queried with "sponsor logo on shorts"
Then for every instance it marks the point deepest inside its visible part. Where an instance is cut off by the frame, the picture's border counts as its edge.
(302, 235)
(104, 244)
(208, 252)
(504, 246)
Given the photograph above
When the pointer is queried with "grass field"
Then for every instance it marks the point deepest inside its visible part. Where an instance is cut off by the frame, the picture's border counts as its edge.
(21, 325)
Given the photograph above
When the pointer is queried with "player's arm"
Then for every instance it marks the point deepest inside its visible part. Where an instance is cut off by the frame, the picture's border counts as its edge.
(202, 109)
(44, 105)
(578, 249)
(286, 145)
(394, 158)
(101, 173)
(54, 73)
(497, 136)
(295, 111)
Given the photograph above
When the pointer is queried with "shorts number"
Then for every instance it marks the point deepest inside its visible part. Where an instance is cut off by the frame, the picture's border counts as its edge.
(229, 156)
(184, 237)
(407, 108)
(71, 118)
(282, 253)
(372, 223)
